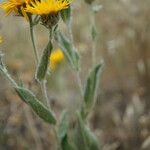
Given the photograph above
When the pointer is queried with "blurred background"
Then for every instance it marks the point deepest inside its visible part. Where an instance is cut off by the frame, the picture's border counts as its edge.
(121, 117)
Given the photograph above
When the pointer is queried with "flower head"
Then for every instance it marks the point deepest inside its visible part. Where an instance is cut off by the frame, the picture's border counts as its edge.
(48, 10)
(46, 7)
(56, 58)
(16, 6)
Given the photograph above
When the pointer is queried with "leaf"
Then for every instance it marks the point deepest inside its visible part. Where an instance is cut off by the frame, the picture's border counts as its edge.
(67, 47)
(62, 132)
(65, 145)
(44, 62)
(84, 138)
(91, 139)
(42, 111)
(90, 90)
(66, 15)
(63, 126)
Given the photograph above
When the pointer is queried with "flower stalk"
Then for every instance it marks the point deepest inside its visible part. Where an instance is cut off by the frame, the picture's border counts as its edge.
(77, 72)
(33, 40)
(42, 83)
(93, 35)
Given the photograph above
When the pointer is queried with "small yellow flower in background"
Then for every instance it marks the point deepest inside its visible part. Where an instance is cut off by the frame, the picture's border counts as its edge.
(46, 7)
(1, 39)
(16, 6)
(56, 58)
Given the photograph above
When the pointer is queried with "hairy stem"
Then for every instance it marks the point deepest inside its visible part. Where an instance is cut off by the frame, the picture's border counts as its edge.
(33, 40)
(44, 90)
(43, 83)
(7, 75)
(93, 25)
(78, 71)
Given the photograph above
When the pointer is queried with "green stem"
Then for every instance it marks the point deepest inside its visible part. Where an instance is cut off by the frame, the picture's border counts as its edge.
(33, 41)
(93, 25)
(93, 53)
(55, 130)
(4, 71)
(7, 75)
(43, 84)
(77, 72)
(80, 83)
(44, 90)
(69, 25)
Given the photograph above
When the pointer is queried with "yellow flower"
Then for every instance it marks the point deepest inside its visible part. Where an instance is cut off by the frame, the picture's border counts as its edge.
(46, 7)
(16, 6)
(1, 39)
(56, 58)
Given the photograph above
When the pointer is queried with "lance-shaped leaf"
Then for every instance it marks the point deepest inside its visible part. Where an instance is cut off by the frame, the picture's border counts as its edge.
(63, 126)
(66, 15)
(84, 138)
(44, 62)
(90, 90)
(62, 132)
(28, 97)
(42, 111)
(67, 47)
(66, 145)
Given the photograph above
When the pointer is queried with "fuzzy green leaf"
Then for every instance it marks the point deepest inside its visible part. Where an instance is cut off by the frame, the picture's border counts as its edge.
(44, 62)
(65, 145)
(65, 45)
(84, 138)
(63, 126)
(90, 90)
(68, 49)
(91, 139)
(42, 111)
(62, 132)
(66, 15)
